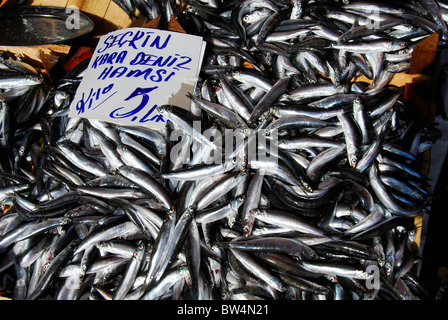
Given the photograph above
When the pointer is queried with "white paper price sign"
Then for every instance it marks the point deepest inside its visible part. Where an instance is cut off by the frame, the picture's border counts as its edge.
(134, 70)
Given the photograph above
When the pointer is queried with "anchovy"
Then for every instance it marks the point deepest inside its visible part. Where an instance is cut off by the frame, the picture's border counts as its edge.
(131, 272)
(147, 183)
(353, 138)
(106, 233)
(258, 270)
(14, 81)
(272, 95)
(199, 171)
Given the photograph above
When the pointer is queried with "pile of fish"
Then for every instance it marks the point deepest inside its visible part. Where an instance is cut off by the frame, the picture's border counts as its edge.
(322, 207)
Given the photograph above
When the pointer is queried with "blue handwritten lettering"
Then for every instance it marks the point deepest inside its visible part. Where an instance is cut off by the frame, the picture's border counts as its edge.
(158, 118)
(137, 36)
(141, 59)
(81, 104)
(143, 93)
(112, 72)
(169, 76)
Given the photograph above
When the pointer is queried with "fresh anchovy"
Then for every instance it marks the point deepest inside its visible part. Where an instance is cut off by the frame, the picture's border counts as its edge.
(186, 126)
(149, 135)
(131, 272)
(375, 46)
(353, 138)
(216, 190)
(274, 244)
(132, 157)
(127, 140)
(385, 197)
(105, 234)
(229, 117)
(239, 102)
(338, 270)
(309, 142)
(147, 183)
(160, 245)
(166, 283)
(81, 160)
(226, 210)
(51, 271)
(20, 66)
(109, 149)
(288, 220)
(258, 270)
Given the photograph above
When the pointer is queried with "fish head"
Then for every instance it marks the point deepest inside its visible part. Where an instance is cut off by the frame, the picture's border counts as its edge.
(230, 164)
(389, 268)
(357, 104)
(311, 255)
(306, 186)
(275, 111)
(141, 246)
(231, 220)
(398, 45)
(162, 151)
(353, 159)
(164, 109)
(240, 199)
(84, 265)
(225, 294)
(171, 211)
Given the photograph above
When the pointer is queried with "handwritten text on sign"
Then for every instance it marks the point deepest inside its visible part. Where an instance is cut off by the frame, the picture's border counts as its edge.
(134, 70)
